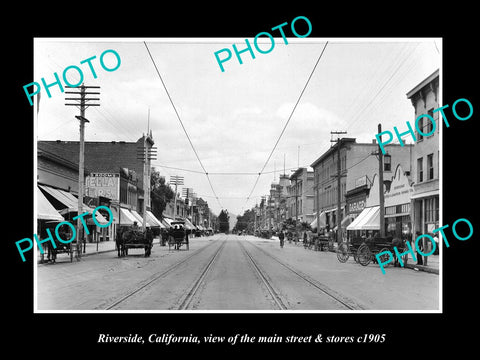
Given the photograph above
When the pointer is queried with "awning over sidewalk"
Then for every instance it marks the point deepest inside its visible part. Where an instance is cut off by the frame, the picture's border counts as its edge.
(152, 221)
(189, 225)
(368, 219)
(347, 220)
(70, 203)
(137, 217)
(67, 200)
(166, 223)
(125, 216)
(323, 221)
(45, 210)
(99, 217)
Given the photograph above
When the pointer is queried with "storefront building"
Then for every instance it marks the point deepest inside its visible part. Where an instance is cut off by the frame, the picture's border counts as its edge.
(426, 157)
(398, 222)
(114, 173)
(358, 164)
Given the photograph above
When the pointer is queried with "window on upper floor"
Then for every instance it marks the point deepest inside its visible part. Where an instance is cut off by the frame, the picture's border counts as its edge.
(420, 126)
(420, 170)
(430, 167)
(387, 163)
(429, 125)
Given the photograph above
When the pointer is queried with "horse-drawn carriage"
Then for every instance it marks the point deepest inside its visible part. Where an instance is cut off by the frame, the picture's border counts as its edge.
(133, 237)
(321, 242)
(60, 247)
(365, 250)
(178, 235)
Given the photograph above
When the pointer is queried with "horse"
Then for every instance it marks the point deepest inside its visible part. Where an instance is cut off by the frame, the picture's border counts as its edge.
(59, 247)
(135, 238)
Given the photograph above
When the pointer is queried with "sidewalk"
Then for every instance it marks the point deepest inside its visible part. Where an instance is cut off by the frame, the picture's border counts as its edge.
(433, 264)
(90, 249)
(433, 261)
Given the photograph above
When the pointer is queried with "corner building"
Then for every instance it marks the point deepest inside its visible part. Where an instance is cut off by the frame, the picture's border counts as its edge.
(358, 166)
(426, 156)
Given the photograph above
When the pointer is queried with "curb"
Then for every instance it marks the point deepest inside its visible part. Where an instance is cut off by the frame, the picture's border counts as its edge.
(422, 268)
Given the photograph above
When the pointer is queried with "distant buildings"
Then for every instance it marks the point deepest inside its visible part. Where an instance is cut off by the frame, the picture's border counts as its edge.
(358, 166)
(411, 183)
(300, 200)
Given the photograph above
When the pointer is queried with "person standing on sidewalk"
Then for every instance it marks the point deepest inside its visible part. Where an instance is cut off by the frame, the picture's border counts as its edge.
(420, 247)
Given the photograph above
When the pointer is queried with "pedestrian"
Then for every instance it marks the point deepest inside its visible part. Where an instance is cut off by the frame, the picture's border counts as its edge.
(281, 236)
(420, 247)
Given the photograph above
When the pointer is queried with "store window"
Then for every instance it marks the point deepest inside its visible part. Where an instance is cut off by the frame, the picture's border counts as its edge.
(431, 210)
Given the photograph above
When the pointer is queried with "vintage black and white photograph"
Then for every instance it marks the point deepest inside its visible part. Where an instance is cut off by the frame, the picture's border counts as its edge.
(281, 173)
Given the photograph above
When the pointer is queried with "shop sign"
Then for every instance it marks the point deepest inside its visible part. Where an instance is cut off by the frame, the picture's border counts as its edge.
(356, 206)
(103, 184)
(400, 189)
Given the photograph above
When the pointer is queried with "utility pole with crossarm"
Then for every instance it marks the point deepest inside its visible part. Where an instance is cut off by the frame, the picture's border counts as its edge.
(339, 192)
(82, 103)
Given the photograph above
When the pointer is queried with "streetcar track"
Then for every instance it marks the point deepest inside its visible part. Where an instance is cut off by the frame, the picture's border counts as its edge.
(348, 303)
(156, 277)
(189, 296)
(261, 275)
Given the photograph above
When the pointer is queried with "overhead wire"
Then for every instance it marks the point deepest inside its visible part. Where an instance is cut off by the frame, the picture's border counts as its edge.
(379, 91)
(286, 123)
(100, 111)
(181, 123)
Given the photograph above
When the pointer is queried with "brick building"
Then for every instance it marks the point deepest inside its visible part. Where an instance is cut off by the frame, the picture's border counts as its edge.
(358, 165)
(301, 196)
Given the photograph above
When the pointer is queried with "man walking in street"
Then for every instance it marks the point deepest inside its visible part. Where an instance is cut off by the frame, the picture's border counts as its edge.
(281, 236)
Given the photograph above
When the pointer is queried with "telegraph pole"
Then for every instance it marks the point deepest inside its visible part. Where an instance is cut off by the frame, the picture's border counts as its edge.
(338, 176)
(380, 184)
(175, 180)
(296, 200)
(379, 153)
(81, 168)
(146, 153)
(187, 194)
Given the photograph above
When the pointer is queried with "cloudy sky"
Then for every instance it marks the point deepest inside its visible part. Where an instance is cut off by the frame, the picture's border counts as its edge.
(235, 117)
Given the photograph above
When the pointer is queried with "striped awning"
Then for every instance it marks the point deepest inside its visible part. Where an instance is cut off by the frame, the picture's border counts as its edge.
(45, 210)
(368, 219)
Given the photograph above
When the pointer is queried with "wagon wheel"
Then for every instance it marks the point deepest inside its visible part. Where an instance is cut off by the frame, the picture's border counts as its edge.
(385, 258)
(342, 252)
(364, 255)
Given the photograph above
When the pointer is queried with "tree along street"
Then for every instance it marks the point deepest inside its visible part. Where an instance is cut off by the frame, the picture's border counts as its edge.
(229, 272)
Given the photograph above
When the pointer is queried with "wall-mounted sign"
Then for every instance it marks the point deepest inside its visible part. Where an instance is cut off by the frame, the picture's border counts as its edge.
(356, 206)
(103, 184)
(400, 189)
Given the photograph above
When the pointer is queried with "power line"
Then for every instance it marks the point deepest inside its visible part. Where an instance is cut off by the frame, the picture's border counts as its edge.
(177, 168)
(286, 124)
(181, 123)
(401, 62)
